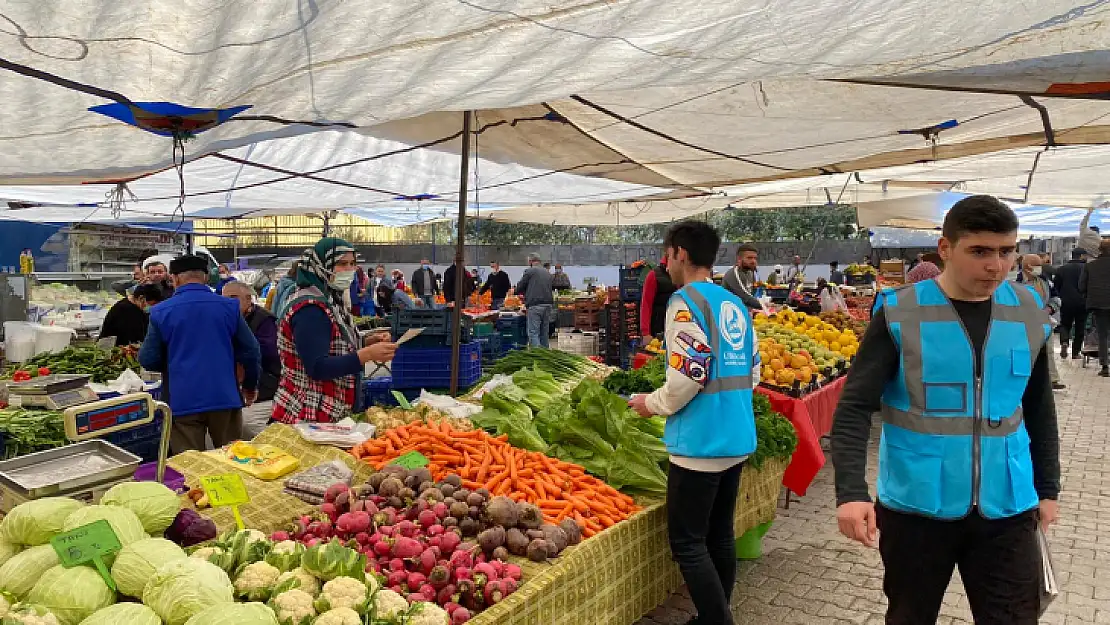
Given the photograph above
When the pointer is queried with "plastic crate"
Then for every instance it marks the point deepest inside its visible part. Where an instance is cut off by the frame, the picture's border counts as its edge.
(430, 367)
(631, 283)
(437, 325)
(379, 392)
(513, 330)
(484, 328)
(490, 346)
(143, 441)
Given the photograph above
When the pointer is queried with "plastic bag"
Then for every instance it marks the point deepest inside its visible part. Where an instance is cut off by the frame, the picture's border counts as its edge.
(316, 480)
(832, 301)
(450, 405)
(494, 382)
(345, 433)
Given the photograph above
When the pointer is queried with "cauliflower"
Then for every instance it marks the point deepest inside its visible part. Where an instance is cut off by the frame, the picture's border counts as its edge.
(389, 606)
(6, 603)
(305, 581)
(293, 607)
(205, 553)
(423, 613)
(285, 546)
(339, 616)
(255, 581)
(343, 592)
(30, 614)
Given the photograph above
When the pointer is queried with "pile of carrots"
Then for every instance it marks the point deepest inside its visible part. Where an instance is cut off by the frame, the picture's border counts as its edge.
(560, 489)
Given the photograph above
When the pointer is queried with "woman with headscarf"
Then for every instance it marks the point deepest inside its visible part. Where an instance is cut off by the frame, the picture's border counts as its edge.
(321, 354)
(923, 270)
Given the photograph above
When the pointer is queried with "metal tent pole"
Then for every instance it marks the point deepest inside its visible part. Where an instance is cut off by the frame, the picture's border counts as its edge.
(460, 255)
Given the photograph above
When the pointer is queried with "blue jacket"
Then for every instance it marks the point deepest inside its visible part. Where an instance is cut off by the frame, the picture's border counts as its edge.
(221, 282)
(195, 338)
(952, 440)
(720, 421)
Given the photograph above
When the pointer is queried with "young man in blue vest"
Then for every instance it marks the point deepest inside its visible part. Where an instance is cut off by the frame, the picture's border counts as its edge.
(956, 367)
(707, 399)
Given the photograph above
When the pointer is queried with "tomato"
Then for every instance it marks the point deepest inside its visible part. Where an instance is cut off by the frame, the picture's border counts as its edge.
(44, 371)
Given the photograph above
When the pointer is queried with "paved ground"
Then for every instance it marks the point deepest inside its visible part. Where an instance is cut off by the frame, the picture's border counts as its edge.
(810, 574)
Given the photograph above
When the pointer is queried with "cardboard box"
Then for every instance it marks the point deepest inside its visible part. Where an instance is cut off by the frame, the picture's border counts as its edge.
(893, 271)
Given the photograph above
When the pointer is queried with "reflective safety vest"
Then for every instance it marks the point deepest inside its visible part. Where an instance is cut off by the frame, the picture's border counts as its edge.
(952, 440)
(719, 422)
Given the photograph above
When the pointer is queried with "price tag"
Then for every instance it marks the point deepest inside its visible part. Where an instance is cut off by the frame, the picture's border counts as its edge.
(88, 543)
(226, 490)
(402, 401)
(411, 460)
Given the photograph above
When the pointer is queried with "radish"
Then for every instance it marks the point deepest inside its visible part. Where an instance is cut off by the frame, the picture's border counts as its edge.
(407, 548)
(397, 564)
(416, 580)
(427, 518)
(460, 616)
(428, 591)
(512, 571)
(279, 536)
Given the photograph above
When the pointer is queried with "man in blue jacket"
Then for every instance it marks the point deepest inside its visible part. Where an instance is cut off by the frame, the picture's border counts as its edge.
(707, 399)
(195, 339)
(956, 367)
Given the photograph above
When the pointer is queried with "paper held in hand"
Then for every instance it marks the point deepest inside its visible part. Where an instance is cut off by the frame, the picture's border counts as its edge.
(1049, 586)
(409, 334)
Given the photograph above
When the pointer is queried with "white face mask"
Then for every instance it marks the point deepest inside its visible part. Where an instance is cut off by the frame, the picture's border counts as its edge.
(343, 279)
(1036, 271)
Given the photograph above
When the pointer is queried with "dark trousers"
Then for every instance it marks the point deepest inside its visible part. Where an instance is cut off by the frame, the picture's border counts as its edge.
(223, 426)
(1102, 326)
(700, 510)
(999, 562)
(1073, 327)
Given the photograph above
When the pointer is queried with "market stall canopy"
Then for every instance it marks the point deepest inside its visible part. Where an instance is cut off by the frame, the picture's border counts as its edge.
(673, 94)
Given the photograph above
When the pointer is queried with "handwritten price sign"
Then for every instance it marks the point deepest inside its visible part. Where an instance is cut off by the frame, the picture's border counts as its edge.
(226, 491)
(88, 543)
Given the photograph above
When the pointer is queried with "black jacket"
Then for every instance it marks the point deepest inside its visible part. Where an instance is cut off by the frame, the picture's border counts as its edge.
(417, 284)
(1067, 284)
(664, 289)
(1095, 283)
(498, 284)
(125, 321)
(449, 284)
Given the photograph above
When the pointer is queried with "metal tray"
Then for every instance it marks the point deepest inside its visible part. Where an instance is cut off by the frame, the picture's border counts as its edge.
(49, 384)
(67, 469)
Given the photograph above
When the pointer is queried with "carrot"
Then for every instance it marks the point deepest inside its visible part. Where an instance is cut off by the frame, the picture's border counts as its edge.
(486, 459)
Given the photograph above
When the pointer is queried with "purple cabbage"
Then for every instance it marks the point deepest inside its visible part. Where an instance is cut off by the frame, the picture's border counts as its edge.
(190, 528)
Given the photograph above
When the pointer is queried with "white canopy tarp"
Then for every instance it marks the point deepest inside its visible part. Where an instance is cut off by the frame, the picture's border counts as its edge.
(683, 93)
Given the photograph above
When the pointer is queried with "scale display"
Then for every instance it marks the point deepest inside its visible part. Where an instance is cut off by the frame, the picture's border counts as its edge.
(109, 415)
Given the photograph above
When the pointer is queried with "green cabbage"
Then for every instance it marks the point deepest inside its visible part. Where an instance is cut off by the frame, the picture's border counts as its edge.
(154, 504)
(237, 614)
(123, 614)
(137, 562)
(36, 522)
(72, 594)
(182, 588)
(19, 574)
(7, 551)
(125, 524)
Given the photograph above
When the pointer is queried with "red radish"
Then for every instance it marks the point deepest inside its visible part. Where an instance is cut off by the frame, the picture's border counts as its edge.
(363, 538)
(435, 541)
(334, 491)
(407, 548)
(436, 551)
(369, 507)
(397, 564)
(450, 607)
(440, 576)
(407, 528)
(492, 593)
(418, 598)
(445, 595)
(398, 589)
(498, 567)
(462, 558)
(424, 562)
(377, 500)
(449, 542)
(416, 580)
(428, 591)
(512, 571)
(382, 548)
(312, 542)
(279, 536)
(435, 530)
(397, 578)
(331, 510)
(485, 568)
(441, 510)
(461, 573)
(508, 587)
(460, 616)
(385, 530)
(427, 519)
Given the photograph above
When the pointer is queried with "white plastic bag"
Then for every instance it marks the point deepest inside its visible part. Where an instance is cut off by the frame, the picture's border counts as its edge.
(345, 433)
(448, 405)
(494, 382)
(832, 301)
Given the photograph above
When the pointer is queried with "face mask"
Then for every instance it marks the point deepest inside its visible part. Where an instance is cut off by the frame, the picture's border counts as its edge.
(343, 279)
(1036, 271)
(426, 266)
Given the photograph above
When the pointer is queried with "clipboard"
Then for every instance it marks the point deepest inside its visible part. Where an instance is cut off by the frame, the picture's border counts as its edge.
(1049, 585)
(409, 334)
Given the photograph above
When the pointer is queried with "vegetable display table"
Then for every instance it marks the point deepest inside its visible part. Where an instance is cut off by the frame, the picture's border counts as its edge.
(613, 578)
(812, 417)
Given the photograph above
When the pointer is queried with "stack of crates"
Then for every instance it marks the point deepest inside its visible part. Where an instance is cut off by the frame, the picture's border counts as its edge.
(513, 330)
(623, 318)
(587, 312)
(437, 325)
(379, 392)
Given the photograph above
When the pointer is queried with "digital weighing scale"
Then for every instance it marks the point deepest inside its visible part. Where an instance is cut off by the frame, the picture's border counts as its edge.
(87, 468)
(54, 392)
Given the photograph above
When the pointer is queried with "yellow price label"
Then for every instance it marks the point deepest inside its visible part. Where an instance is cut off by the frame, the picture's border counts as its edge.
(226, 490)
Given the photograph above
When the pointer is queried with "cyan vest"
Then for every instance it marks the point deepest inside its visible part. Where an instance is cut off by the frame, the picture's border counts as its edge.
(952, 441)
(719, 421)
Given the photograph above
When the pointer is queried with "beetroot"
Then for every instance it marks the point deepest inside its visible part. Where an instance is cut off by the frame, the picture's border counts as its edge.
(469, 527)
(427, 519)
(405, 547)
(440, 576)
(572, 530)
(460, 616)
(556, 536)
(516, 542)
(390, 487)
(459, 510)
(375, 480)
(416, 580)
(538, 550)
(512, 571)
(492, 538)
(500, 554)
(491, 592)
(475, 513)
(407, 494)
(530, 516)
(450, 522)
(447, 489)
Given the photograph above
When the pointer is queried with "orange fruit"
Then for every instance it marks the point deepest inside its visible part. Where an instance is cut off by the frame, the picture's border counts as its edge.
(776, 364)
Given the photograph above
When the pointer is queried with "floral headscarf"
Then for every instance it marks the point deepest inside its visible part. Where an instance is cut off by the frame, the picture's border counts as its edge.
(317, 269)
(923, 271)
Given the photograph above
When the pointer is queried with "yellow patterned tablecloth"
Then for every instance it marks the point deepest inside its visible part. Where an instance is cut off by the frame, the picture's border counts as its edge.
(613, 578)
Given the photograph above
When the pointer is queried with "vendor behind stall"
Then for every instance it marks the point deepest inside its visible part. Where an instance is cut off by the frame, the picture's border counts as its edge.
(321, 353)
(128, 318)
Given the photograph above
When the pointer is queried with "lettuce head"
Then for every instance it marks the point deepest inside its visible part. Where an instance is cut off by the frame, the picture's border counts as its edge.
(183, 588)
(137, 562)
(154, 504)
(72, 594)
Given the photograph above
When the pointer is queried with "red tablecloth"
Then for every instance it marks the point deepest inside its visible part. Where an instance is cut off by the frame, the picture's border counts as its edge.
(812, 417)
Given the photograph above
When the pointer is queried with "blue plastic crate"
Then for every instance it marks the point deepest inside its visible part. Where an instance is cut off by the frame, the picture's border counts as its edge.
(437, 325)
(430, 367)
(491, 347)
(379, 392)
